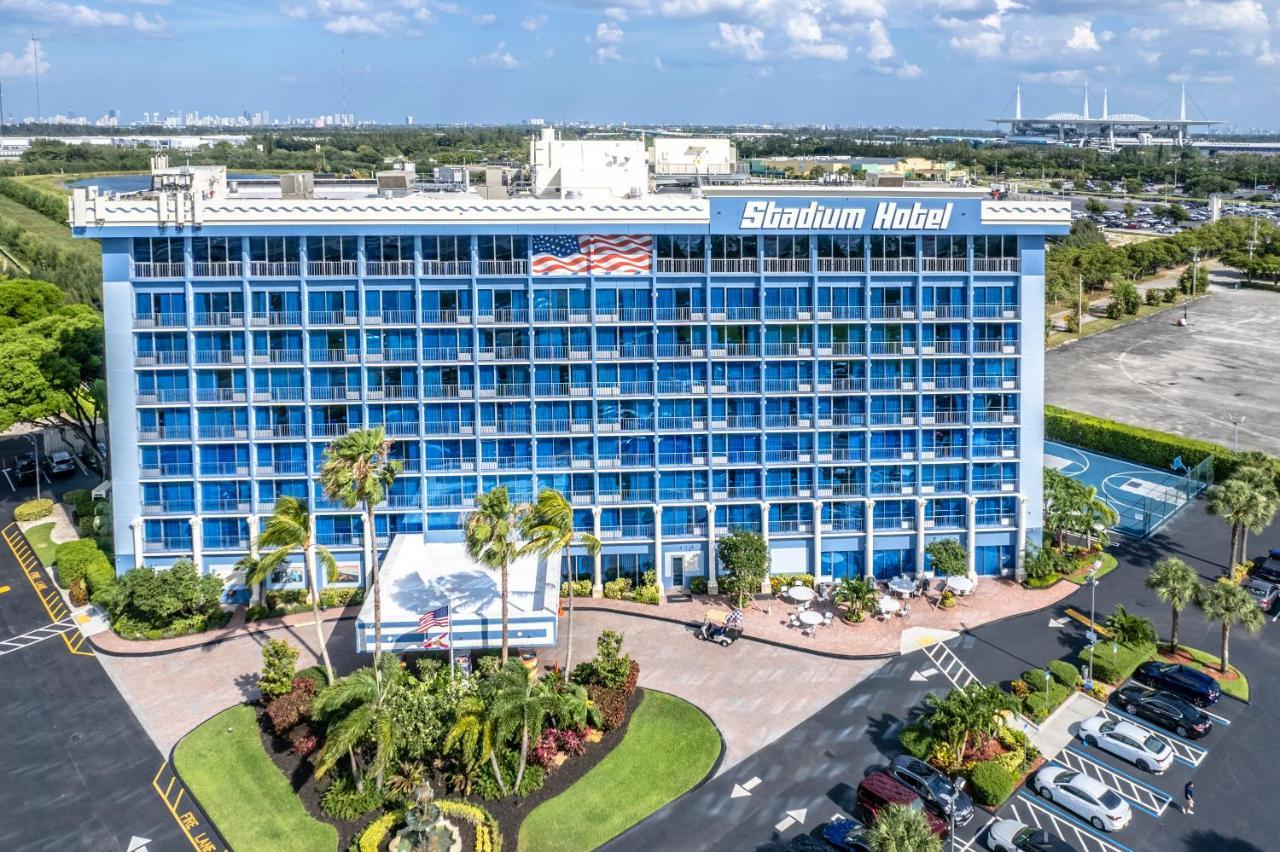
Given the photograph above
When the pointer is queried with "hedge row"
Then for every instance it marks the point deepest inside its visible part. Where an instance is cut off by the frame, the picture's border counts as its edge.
(1133, 443)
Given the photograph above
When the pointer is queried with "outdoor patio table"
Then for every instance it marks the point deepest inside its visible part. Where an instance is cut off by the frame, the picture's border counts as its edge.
(902, 586)
(960, 585)
(800, 594)
(810, 617)
(889, 605)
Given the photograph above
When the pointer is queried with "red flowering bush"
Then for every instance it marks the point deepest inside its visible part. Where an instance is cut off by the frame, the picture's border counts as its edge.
(571, 742)
(302, 742)
(546, 749)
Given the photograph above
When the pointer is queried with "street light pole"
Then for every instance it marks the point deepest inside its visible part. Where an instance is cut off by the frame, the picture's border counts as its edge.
(35, 445)
(1093, 599)
(1194, 285)
(1236, 420)
(957, 786)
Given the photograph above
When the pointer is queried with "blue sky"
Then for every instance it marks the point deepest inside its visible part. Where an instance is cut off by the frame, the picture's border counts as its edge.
(917, 62)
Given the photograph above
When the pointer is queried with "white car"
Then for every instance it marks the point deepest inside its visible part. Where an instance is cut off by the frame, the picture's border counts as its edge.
(1085, 797)
(1127, 741)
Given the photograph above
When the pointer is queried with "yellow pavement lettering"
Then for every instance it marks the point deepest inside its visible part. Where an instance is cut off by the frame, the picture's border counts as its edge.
(50, 599)
(3, 589)
(188, 821)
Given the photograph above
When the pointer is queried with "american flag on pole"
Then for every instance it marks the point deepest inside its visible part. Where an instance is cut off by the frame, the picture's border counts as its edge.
(593, 254)
(436, 619)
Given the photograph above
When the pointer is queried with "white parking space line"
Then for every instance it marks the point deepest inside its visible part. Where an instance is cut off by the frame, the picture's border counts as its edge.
(1217, 720)
(1138, 793)
(9, 480)
(1029, 811)
(1183, 750)
(25, 640)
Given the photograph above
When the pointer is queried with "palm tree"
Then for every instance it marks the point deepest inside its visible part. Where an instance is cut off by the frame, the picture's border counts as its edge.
(858, 594)
(352, 709)
(962, 712)
(357, 471)
(520, 705)
(1229, 603)
(472, 736)
(574, 707)
(1260, 473)
(289, 530)
(254, 574)
(1176, 583)
(899, 828)
(550, 527)
(1241, 505)
(494, 534)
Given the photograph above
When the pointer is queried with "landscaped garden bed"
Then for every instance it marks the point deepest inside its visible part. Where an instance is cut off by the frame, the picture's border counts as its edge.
(1232, 682)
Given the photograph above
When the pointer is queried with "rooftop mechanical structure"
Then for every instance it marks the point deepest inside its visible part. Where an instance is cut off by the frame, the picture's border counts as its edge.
(1108, 131)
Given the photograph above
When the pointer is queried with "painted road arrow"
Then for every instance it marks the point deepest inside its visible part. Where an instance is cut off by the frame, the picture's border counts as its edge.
(924, 675)
(137, 844)
(792, 818)
(1058, 622)
(744, 789)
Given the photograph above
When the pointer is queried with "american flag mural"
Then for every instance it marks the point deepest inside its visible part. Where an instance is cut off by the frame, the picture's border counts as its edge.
(437, 619)
(592, 254)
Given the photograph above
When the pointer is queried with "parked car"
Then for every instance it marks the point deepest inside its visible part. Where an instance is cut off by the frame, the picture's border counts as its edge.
(1164, 709)
(879, 790)
(1269, 570)
(1009, 835)
(1127, 741)
(25, 468)
(1183, 681)
(848, 835)
(1263, 592)
(935, 788)
(60, 463)
(1086, 797)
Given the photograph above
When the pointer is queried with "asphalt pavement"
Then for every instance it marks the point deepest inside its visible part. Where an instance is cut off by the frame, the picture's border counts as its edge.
(809, 775)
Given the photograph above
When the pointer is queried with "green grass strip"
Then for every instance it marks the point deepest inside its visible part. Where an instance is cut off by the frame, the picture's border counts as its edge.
(40, 537)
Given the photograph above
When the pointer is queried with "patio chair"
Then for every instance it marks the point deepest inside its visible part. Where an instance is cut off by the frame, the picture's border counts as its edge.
(827, 617)
(905, 611)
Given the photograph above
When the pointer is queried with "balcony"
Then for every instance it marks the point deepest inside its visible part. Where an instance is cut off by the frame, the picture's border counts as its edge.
(387, 268)
(613, 533)
(670, 494)
(163, 395)
(507, 463)
(695, 313)
(944, 264)
(174, 544)
(402, 354)
(332, 430)
(844, 385)
(892, 383)
(944, 347)
(995, 347)
(507, 316)
(994, 519)
(282, 467)
(333, 317)
(446, 317)
(788, 421)
(446, 267)
(160, 359)
(950, 521)
(788, 312)
(790, 527)
(561, 315)
(267, 431)
(995, 451)
(340, 539)
(278, 394)
(450, 501)
(275, 319)
(164, 433)
(334, 356)
(722, 349)
(274, 269)
(153, 269)
(504, 353)
(331, 268)
(943, 486)
(894, 523)
(430, 391)
(787, 490)
(399, 429)
(504, 391)
(216, 269)
(393, 391)
(459, 463)
(504, 267)
(227, 504)
(996, 415)
(802, 385)
(625, 460)
(842, 264)
(684, 530)
(391, 316)
(995, 383)
(632, 495)
(829, 348)
(442, 353)
(505, 427)
(843, 525)
(681, 265)
(325, 393)
(943, 418)
(786, 264)
(995, 311)
(733, 265)
(893, 264)
(220, 394)
(996, 264)
(892, 312)
(449, 427)
(895, 348)
(626, 389)
(841, 489)
(944, 312)
(218, 319)
(166, 471)
(206, 357)
(159, 320)
(841, 312)
(990, 486)
(221, 431)
(168, 507)
(944, 383)
(404, 501)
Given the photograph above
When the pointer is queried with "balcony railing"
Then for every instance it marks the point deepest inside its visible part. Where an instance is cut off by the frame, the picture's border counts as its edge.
(159, 269)
(995, 382)
(219, 319)
(996, 264)
(788, 490)
(631, 495)
(333, 317)
(842, 264)
(561, 315)
(507, 463)
(995, 311)
(460, 463)
(216, 269)
(684, 530)
(450, 501)
(332, 430)
(446, 267)
(393, 391)
(995, 451)
(403, 353)
(274, 269)
(788, 312)
(678, 265)
(391, 316)
(504, 267)
(693, 313)
(612, 533)
(282, 467)
(168, 507)
(625, 460)
(220, 394)
(995, 347)
(334, 356)
(160, 359)
(996, 415)
(944, 312)
(335, 393)
(163, 471)
(277, 356)
(731, 265)
(275, 318)
(790, 527)
(278, 394)
(167, 545)
(987, 486)
(994, 519)
(786, 264)
(503, 315)
(448, 391)
(944, 264)
(340, 539)
(265, 431)
(892, 312)
(507, 390)
(227, 504)
(164, 433)
(223, 430)
(841, 312)
(504, 353)
(847, 524)
(388, 267)
(156, 320)
(893, 264)
(449, 316)
(164, 395)
(330, 268)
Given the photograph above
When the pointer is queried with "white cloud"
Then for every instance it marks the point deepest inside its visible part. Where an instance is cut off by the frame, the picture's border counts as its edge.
(1150, 57)
(1063, 77)
(906, 71)
(533, 23)
(1219, 16)
(984, 45)
(1082, 38)
(803, 27)
(879, 47)
(819, 50)
(608, 33)
(607, 53)
(741, 39)
(616, 12)
(80, 16)
(500, 58)
(1146, 33)
(23, 65)
(484, 19)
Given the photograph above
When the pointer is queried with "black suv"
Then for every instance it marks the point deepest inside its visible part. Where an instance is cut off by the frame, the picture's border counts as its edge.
(1164, 709)
(25, 468)
(1183, 681)
(1269, 570)
(937, 790)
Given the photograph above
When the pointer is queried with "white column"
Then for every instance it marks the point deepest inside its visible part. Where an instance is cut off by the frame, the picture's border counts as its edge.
(253, 536)
(869, 542)
(658, 562)
(920, 507)
(970, 554)
(597, 583)
(765, 587)
(817, 539)
(713, 585)
(136, 526)
(1020, 546)
(197, 544)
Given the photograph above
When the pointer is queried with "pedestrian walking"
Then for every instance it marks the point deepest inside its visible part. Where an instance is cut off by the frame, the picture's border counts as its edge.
(1189, 794)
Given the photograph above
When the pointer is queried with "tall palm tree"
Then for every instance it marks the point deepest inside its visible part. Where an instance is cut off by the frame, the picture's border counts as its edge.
(961, 713)
(550, 527)
(290, 530)
(495, 537)
(357, 471)
(352, 709)
(472, 736)
(1238, 503)
(1261, 476)
(898, 828)
(519, 707)
(1229, 603)
(1176, 583)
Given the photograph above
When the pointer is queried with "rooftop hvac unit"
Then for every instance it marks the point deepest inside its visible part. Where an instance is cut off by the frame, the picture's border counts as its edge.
(298, 185)
(881, 179)
(395, 184)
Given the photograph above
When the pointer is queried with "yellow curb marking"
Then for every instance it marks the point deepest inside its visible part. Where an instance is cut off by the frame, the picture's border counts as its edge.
(49, 598)
(187, 820)
(1085, 620)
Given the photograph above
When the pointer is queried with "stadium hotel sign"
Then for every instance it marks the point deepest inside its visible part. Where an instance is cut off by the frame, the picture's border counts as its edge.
(889, 216)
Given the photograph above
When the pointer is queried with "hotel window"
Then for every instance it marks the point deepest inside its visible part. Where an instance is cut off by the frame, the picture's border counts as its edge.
(331, 249)
(995, 246)
(943, 247)
(273, 250)
(157, 250)
(839, 246)
(388, 249)
(733, 254)
(892, 247)
(503, 248)
(215, 249)
(446, 248)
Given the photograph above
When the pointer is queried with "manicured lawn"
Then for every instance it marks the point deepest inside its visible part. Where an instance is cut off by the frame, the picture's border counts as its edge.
(39, 539)
(1078, 577)
(1237, 688)
(669, 747)
(224, 766)
(1101, 324)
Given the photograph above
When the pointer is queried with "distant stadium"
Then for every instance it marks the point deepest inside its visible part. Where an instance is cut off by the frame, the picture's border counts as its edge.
(1108, 131)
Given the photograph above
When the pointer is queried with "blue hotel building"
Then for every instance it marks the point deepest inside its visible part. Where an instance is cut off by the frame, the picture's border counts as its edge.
(850, 372)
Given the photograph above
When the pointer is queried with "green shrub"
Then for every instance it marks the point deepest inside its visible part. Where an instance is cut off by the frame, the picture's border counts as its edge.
(991, 782)
(343, 801)
(100, 576)
(79, 592)
(916, 740)
(375, 832)
(1042, 582)
(1170, 295)
(33, 510)
(1064, 673)
(778, 582)
(333, 597)
(698, 585)
(617, 589)
(486, 785)
(1038, 705)
(279, 663)
(581, 589)
(73, 559)
(1114, 667)
(1115, 310)
(1035, 680)
(315, 674)
(144, 599)
(647, 594)
(81, 502)
(1153, 296)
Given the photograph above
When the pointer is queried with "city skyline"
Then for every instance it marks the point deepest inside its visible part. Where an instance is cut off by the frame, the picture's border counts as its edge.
(674, 61)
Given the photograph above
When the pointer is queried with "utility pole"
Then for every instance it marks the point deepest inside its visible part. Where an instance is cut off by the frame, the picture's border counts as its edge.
(35, 47)
(1, 105)
(1079, 305)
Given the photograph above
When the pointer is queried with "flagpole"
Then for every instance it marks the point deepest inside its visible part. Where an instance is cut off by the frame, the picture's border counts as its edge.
(449, 604)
